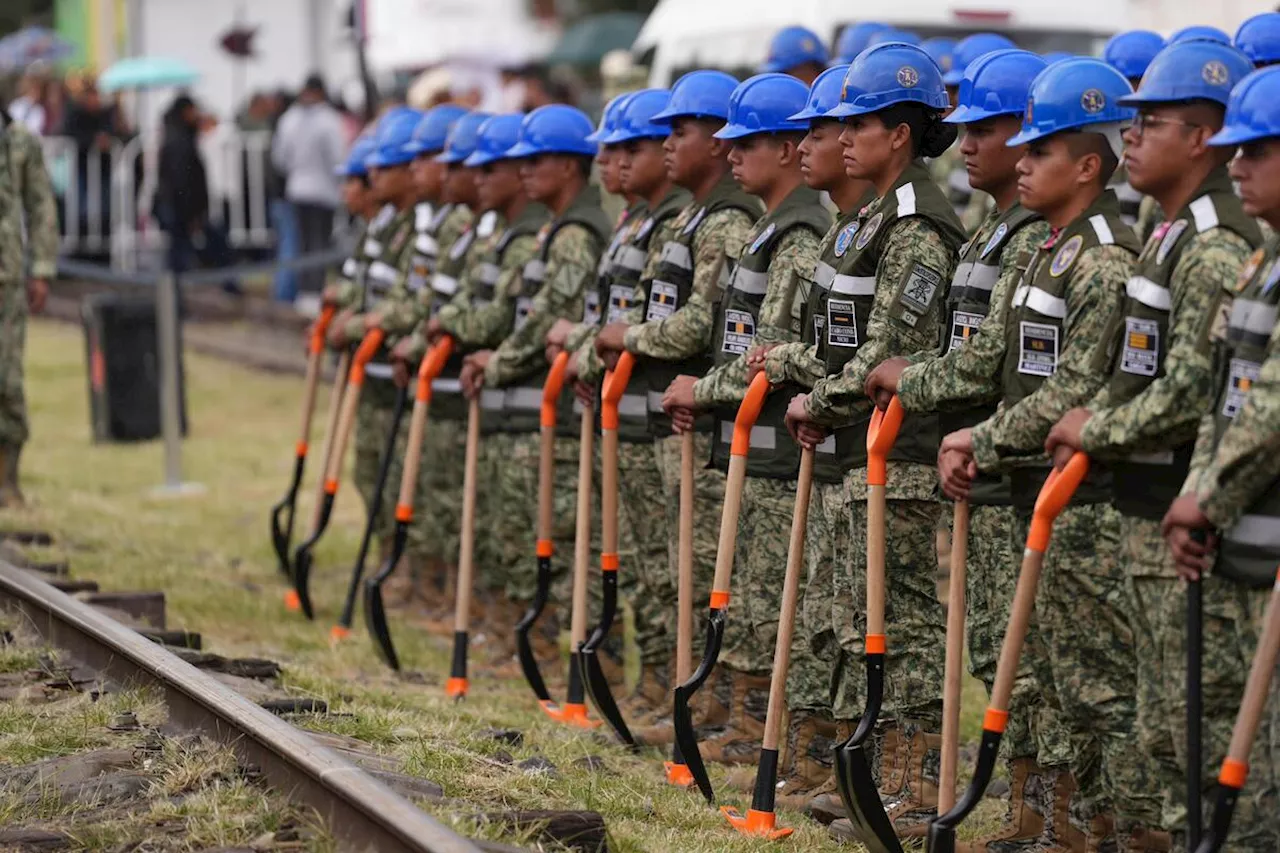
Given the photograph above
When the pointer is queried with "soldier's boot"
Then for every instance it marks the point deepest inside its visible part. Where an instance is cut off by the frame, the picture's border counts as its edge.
(10, 494)
(1066, 835)
(740, 741)
(915, 804)
(648, 708)
(1028, 824)
(889, 754)
(826, 807)
(807, 772)
(1101, 835)
(611, 655)
(1149, 841)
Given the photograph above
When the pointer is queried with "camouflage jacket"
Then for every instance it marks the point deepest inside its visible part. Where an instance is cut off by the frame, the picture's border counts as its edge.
(397, 307)
(26, 206)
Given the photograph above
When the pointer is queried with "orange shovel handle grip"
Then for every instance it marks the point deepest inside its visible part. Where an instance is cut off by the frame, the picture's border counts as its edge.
(748, 413)
(882, 432)
(364, 354)
(321, 328)
(615, 381)
(1054, 496)
(551, 389)
(432, 365)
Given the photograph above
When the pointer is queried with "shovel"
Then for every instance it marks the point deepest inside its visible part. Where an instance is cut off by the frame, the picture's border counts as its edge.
(686, 736)
(282, 513)
(760, 819)
(456, 686)
(954, 667)
(546, 471)
(1054, 496)
(574, 711)
(1235, 769)
(375, 613)
(597, 683)
(350, 397)
(853, 769)
(677, 771)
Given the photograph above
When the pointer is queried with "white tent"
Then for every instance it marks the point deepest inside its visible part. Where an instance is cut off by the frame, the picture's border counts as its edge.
(420, 33)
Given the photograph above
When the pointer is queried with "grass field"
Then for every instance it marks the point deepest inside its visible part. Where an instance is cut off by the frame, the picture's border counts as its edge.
(211, 555)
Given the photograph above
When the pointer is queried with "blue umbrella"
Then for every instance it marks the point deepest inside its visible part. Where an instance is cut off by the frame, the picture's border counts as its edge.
(31, 45)
(147, 72)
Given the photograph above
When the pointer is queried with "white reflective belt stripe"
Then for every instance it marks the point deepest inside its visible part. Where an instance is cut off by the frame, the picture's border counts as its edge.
(763, 437)
(1258, 530)
(906, 200)
(824, 274)
(1250, 315)
(447, 386)
(1040, 301)
(488, 273)
(854, 285)
(1149, 293)
(427, 245)
(1206, 215)
(828, 445)
(633, 405)
(629, 257)
(523, 398)
(677, 254)
(1102, 229)
(491, 399)
(422, 215)
(383, 272)
(1163, 457)
(749, 281)
(442, 283)
(378, 370)
(654, 399)
(976, 276)
(350, 268)
(535, 270)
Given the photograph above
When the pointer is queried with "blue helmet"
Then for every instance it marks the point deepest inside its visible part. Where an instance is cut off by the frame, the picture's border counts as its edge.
(1200, 33)
(1053, 57)
(493, 139)
(462, 139)
(635, 120)
(888, 74)
(854, 39)
(395, 129)
(1074, 94)
(432, 131)
(1191, 70)
(794, 46)
(360, 150)
(765, 104)
(970, 48)
(1131, 52)
(699, 94)
(609, 117)
(996, 84)
(1259, 38)
(941, 51)
(823, 94)
(554, 129)
(1251, 112)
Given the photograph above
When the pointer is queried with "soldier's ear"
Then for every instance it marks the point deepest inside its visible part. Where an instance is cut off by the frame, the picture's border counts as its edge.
(719, 148)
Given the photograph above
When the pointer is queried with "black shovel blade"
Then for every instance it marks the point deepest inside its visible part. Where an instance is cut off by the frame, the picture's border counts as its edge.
(1220, 824)
(942, 830)
(524, 648)
(682, 716)
(856, 781)
(593, 673)
(282, 519)
(375, 612)
(302, 558)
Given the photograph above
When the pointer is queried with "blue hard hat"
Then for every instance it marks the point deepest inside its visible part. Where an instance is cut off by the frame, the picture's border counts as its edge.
(893, 34)
(854, 39)
(1251, 112)
(1053, 57)
(395, 129)
(794, 46)
(635, 120)
(493, 139)
(996, 84)
(765, 104)
(1200, 33)
(1074, 94)
(432, 131)
(699, 94)
(823, 94)
(941, 51)
(554, 129)
(1259, 38)
(970, 48)
(1131, 52)
(462, 139)
(609, 118)
(888, 74)
(355, 166)
(1191, 70)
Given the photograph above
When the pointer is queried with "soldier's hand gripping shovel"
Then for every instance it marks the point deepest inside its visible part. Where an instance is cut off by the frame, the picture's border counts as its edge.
(682, 717)
(456, 687)
(854, 778)
(954, 666)
(1054, 496)
(283, 512)
(375, 612)
(546, 548)
(1235, 769)
(677, 771)
(615, 381)
(760, 819)
(350, 398)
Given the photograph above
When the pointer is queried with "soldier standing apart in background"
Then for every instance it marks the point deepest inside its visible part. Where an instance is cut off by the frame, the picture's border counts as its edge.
(26, 207)
(796, 51)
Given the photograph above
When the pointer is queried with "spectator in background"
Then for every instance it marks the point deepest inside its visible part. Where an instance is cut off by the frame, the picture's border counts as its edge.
(308, 147)
(38, 105)
(262, 116)
(93, 125)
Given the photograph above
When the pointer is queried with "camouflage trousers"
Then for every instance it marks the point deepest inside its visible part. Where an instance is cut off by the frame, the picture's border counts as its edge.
(14, 428)
(494, 524)
(374, 415)
(914, 622)
(644, 572)
(1232, 623)
(815, 654)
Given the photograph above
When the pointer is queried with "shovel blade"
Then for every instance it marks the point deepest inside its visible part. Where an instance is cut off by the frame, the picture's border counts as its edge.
(1220, 823)
(282, 518)
(592, 671)
(854, 776)
(682, 716)
(375, 617)
(942, 830)
(524, 648)
(302, 557)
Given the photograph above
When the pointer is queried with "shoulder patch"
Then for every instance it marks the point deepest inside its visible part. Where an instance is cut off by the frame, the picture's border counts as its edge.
(868, 231)
(764, 235)
(569, 280)
(1250, 267)
(1170, 237)
(488, 222)
(1066, 256)
(845, 238)
(1001, 231)
(920, 287)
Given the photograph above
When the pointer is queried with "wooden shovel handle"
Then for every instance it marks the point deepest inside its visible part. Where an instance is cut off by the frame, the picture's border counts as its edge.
(350, 398)
(321, 328)
(582, 531)
(609, 480)
(684, 564)
(364, 354)
(466, 548)
(954, 659)
(331, 430)
(1236, 766)
(551, 389)
(312, 381)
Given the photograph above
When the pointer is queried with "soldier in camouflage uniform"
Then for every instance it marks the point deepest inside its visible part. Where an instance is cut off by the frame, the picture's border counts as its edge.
(1230, 495)
(28, 224)
(763, 302)
(359, 200)
(1059, 332)
(885, 300)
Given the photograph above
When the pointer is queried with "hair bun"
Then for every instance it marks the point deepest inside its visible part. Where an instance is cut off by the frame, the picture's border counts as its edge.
(937, 137)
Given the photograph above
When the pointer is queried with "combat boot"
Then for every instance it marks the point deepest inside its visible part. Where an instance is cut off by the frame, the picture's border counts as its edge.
(807, 772)
(10, 494)
(826, 806)
(916, 803)
(1101, 836)
(740, 741)
(651, 697)
(1149, 841)
(1029, 826)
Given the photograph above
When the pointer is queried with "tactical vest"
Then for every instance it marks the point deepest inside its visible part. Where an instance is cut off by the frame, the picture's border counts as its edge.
(1250, 551)
(968, 304)
(670, 289)
(386, 252)
(522, 402)
(447, 402)
(1036, 331)
(1145, 484)
(773, 453)
(600, 295)
(846, 305)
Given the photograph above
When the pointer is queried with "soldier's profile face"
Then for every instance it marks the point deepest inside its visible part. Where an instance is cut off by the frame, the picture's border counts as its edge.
(497, 184)
(542, 176)
(989, 162)
(688, 149)
(428, 176)
(609, 161)
(643, 166)
(388, 182)
(1256, 169)
(755, 162)
(867, 147)
(822, 156)
(1047, 174)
